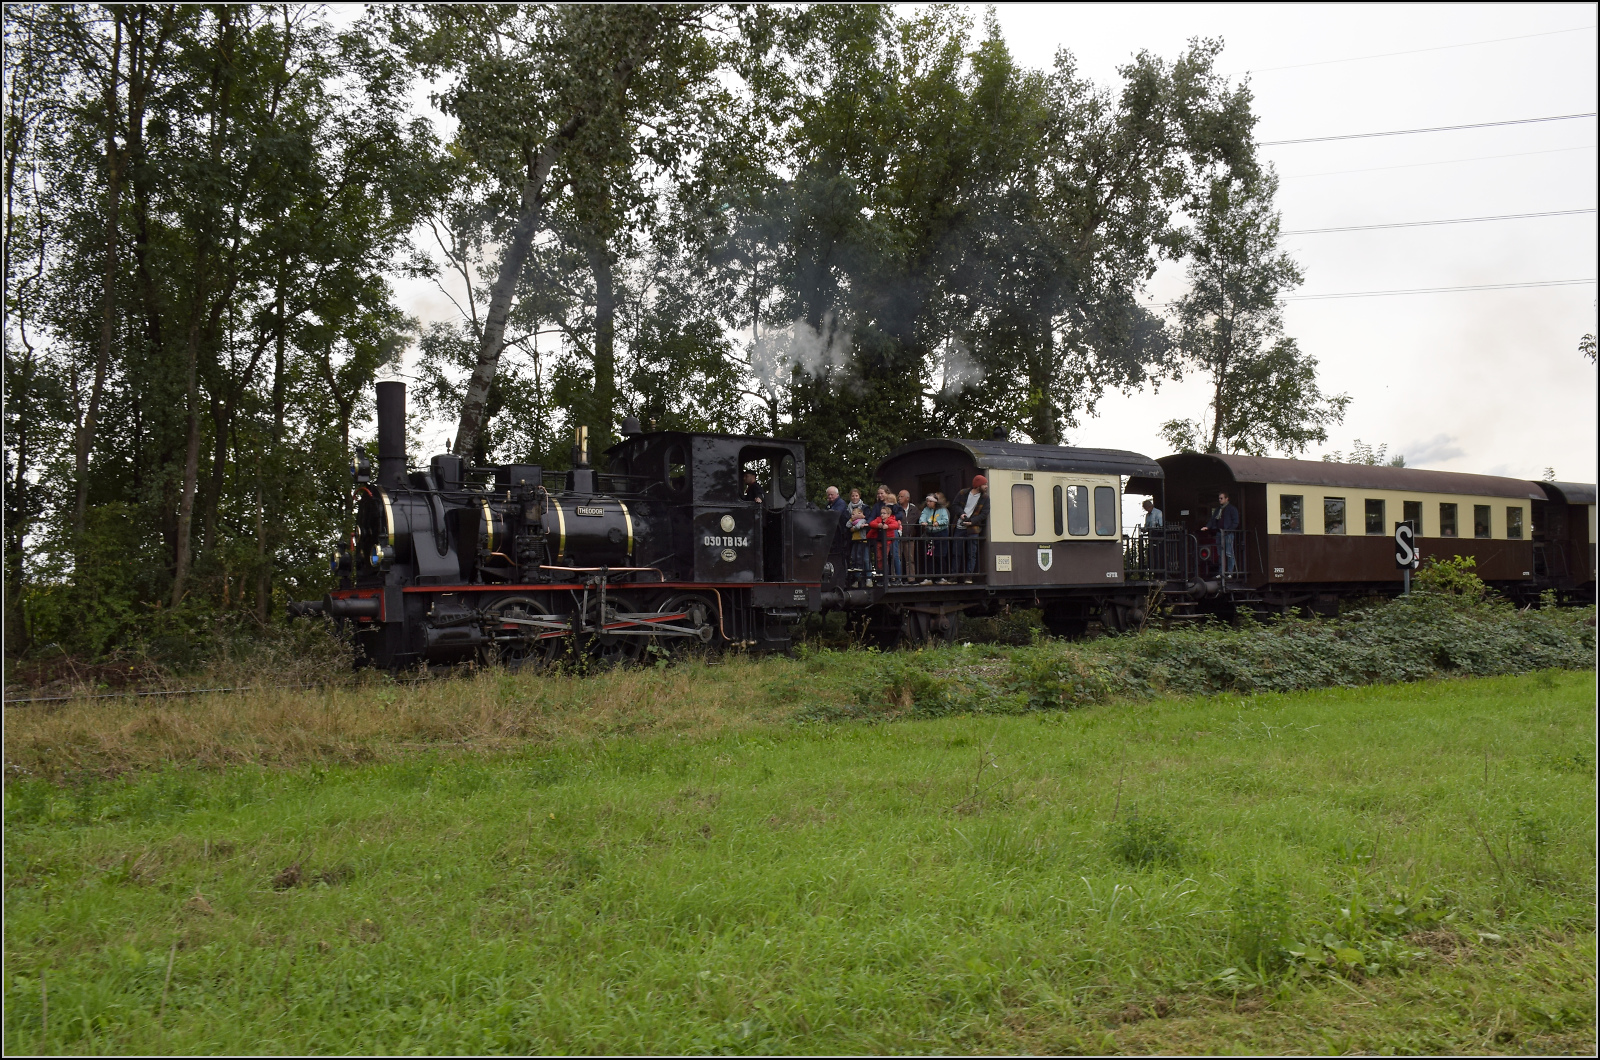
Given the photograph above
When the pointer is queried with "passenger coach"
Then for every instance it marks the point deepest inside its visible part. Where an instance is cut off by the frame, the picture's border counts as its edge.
(1313, 530)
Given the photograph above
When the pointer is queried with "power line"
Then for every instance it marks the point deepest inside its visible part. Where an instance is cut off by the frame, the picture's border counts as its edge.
(1431, 129)
(1416, 51)
(1446, 221)
(1437, 290)
(1443, 162)
(1412, 290)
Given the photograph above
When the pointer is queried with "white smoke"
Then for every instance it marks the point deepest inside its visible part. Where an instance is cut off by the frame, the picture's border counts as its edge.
(779, 351)
(958, 367)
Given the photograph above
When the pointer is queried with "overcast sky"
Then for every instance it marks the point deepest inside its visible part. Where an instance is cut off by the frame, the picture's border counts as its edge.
(1484, 381)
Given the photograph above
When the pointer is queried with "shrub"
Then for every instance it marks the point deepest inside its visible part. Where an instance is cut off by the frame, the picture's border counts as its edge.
(1451, 577)
(1143, 840)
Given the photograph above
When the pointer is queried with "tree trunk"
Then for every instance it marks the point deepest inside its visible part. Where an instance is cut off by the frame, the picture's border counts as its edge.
(529, 218)
(108, 288)
(605, 334)
(191, 456)
(221, 419)
(1042, 423)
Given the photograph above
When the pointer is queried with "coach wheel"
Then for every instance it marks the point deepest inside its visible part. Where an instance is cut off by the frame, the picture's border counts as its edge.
(918, 626)
(518, 646)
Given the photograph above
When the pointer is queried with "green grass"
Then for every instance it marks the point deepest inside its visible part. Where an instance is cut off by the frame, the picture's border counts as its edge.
(1389, 869)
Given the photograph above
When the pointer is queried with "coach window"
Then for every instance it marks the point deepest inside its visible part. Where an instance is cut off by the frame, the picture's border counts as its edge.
(1374, 517)
(1291, 514)
(1333, 515)
(1480, 521)
(1056, 496)
(677, 468)
(1514, 523)
(1447, 520)
(1106, 514)
(1022, 509)
(1413, 510)
(1077, 510)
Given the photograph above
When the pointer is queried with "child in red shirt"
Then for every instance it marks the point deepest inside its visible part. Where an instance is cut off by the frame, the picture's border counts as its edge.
(883, 530)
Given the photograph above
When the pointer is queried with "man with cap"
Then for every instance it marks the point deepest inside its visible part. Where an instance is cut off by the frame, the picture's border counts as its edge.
(973, 518)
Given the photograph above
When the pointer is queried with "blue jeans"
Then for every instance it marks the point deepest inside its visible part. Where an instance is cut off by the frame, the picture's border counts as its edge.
(969, 563)
(858, 560)
(1225, 539)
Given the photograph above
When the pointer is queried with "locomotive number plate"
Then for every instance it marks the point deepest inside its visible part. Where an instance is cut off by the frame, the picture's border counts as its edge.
(584, 510)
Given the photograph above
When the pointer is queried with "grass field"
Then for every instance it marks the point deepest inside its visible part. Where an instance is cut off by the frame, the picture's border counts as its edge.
(1389, 869)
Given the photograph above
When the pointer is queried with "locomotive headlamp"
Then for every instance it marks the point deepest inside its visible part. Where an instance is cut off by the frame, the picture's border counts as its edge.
(360, 466)
(382, 556)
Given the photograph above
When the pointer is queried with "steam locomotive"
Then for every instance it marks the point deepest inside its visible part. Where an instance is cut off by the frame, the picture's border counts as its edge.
(454, 562)
(666, 547)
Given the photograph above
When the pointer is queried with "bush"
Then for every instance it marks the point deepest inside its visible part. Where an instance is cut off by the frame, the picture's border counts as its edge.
(1427, 635)
(1457, 577)
(1143, 840)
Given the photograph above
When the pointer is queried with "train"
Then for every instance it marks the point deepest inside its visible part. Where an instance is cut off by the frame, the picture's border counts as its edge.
(667, 547)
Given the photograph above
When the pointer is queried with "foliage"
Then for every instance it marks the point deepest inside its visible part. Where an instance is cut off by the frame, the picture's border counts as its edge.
(1264, 393)
(206, 200)
(1143, 840)
(598, 890)
(1456, 577)
(1370, 455)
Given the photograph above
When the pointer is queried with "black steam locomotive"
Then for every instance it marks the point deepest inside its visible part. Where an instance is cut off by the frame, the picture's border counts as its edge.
(514, 562)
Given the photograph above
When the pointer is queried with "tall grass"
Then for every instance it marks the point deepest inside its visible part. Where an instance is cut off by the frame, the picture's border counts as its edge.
(1396, 868)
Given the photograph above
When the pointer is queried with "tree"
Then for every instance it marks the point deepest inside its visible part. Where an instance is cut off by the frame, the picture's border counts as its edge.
(1586, 347)
(1264, 392)
(555, 104)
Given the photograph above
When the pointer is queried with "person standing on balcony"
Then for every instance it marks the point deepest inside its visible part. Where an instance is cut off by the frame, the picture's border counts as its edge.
(1152, 515)
(1226, 523)
(973, 504)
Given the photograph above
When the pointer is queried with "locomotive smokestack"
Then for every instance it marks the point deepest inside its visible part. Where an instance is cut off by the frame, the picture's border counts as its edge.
(392, 435)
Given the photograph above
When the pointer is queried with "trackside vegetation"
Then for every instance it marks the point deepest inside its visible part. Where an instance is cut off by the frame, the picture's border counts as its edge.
(1398, 868)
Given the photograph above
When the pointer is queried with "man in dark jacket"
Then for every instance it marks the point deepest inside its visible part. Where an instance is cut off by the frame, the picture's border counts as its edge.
(972, 519)
(1225, 521)
(835, 503)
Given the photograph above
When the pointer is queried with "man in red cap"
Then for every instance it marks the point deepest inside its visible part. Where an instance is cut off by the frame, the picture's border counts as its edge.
(972, 506)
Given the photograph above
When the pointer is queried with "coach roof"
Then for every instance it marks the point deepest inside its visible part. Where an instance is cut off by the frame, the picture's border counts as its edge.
(1358, 476)
(1571, 492)
(1018, 456)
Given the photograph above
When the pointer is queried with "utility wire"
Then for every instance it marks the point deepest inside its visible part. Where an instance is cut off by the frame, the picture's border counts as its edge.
(1416, 51)
(1430, 129)
(1441, 162)
(1437, 290)
(1413, 290)
(1423, 224)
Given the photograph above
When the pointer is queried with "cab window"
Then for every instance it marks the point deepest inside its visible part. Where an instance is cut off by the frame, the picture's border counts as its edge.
(677, 468)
